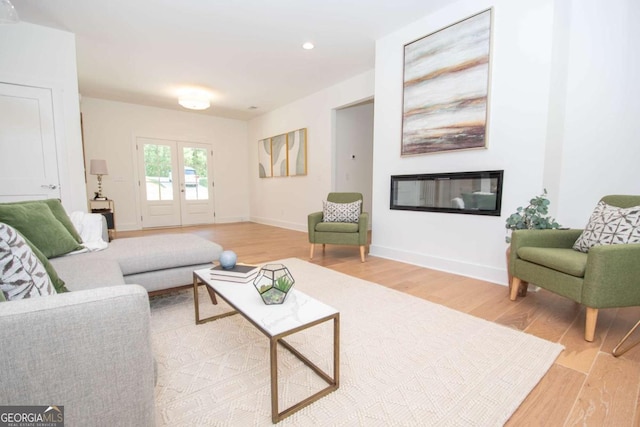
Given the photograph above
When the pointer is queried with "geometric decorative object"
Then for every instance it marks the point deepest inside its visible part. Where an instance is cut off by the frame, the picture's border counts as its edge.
(283, 155)
(98, 167)
(446, 88)
(228, 259)
(274, 283)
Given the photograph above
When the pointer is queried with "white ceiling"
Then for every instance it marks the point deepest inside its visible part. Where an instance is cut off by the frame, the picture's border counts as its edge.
(244, 52)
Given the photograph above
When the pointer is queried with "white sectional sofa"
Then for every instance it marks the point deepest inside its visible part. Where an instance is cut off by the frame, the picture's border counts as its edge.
(89, 349)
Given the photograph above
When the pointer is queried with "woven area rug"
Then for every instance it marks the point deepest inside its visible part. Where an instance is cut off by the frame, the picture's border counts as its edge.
(404, 361)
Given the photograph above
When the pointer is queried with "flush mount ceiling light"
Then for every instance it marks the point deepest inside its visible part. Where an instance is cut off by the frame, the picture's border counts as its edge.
(195, 101)
(308, 46)
(8, 14)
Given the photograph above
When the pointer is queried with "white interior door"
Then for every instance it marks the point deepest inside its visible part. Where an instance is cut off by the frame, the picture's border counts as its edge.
(170, 198)
(28, 159)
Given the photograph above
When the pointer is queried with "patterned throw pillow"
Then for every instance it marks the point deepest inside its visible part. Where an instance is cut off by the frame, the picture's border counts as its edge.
(610, 225)
(22, 275)
(341, 212)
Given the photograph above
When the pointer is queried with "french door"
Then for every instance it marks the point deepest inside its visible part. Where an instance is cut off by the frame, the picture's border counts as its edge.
(28, 158)
(176, 184)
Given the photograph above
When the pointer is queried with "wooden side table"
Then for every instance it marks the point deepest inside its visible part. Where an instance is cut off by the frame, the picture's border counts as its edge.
(107, 209)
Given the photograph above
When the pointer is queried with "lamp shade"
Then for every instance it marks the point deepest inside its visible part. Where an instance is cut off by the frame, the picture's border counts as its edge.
(98, 167)
(8, 14)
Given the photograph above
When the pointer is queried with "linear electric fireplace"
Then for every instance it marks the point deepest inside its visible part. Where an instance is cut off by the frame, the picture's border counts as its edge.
(475, 193)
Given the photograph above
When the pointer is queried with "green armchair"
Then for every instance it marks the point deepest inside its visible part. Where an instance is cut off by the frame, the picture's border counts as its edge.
(339, 233)
(607, 276)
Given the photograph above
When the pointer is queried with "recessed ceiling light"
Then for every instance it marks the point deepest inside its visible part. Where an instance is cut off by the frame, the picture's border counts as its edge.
(253, 107)
(308, 46)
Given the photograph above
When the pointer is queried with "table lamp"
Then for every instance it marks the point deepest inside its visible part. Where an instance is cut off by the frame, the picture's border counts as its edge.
(98, 167)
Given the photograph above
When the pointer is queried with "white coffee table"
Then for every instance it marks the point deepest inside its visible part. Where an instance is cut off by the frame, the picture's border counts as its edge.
(297, 313)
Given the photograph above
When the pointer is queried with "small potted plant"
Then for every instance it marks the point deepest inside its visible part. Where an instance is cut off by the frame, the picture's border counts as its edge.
(533, 217)
(273, 283)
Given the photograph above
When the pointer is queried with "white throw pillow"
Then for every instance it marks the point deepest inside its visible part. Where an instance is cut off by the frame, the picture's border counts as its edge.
(610, 225)
(341, 212)
(22, 275)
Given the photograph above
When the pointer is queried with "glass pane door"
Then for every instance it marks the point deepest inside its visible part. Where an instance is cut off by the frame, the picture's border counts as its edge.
(195, 173)
(158, 174)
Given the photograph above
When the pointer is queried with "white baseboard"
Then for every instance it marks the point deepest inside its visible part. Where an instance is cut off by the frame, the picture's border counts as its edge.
(136, 227)
(230, 219)
(476, 271)
(281, 224)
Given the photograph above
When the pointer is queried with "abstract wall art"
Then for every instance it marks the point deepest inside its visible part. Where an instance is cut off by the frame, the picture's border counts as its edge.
(297, 152)
(283, 155)
(264, 158)
(279, 155)
(446, 88)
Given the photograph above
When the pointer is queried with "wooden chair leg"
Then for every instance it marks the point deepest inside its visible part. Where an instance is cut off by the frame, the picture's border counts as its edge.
(323, 247)
(515, 285)
(362, 253)
(311, 251)
(524, 286)
(590, 324)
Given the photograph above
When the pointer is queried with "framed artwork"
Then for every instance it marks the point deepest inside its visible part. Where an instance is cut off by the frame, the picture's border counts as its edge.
(283, 155)
(279, 155)
(264, 158)
(297, 152)
(446, 88)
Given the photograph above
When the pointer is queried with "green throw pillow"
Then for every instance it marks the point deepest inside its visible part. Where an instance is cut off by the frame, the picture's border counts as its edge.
(58, 211)
(36, 222)
(58, 283)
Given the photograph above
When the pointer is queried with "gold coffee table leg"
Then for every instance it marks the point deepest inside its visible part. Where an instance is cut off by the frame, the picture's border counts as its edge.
(334, 382)
(196, 303)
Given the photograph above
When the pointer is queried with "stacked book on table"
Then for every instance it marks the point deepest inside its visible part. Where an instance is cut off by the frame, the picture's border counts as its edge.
(242, 273)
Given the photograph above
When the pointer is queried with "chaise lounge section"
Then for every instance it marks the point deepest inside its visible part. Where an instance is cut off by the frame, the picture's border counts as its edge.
(156, 263)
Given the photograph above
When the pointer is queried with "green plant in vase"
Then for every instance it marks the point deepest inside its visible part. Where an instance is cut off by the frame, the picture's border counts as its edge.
(274, 282)
(535, 216)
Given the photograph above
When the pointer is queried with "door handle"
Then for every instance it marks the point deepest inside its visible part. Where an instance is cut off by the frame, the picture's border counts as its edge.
(49, 186)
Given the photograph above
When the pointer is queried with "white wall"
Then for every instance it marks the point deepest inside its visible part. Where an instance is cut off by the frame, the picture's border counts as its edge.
(354, 152)
(519, 99)
(564, 108)
(601, 145)
(110, 130)
(286, 201)
(38, 56)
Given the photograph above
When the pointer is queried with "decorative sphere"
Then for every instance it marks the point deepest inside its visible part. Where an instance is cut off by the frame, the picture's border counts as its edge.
(228, 259)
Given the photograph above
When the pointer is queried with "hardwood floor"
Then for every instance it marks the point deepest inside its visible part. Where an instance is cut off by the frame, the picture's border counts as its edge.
(586, 386)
